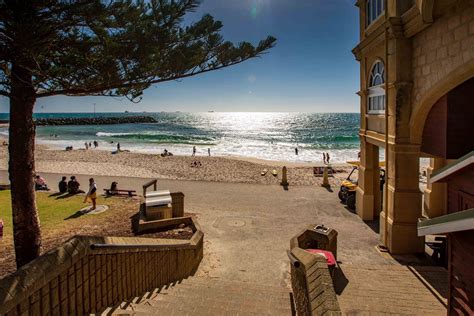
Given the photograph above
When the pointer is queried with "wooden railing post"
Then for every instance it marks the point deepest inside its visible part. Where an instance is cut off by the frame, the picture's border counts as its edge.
(153, 182)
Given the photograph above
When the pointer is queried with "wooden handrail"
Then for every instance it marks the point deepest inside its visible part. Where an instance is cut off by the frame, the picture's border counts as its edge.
(135, 246)
(153, 182)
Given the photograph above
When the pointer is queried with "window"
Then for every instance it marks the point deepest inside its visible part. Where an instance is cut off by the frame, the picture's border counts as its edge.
(375, 8)
(376, 95)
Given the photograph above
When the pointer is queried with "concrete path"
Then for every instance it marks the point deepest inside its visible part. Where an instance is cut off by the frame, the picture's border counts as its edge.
(248, 228)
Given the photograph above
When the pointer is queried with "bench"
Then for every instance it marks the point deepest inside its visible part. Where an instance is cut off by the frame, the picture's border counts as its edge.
(130, 193)
(439, 249)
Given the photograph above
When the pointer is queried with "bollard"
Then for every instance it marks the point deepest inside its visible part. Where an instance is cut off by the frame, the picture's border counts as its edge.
(284, 176)
(325, 178)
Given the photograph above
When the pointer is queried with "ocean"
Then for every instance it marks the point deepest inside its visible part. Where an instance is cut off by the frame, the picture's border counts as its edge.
(272, 136)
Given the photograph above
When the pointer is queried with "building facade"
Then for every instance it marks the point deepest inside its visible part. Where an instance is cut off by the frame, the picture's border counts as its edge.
(417, 90)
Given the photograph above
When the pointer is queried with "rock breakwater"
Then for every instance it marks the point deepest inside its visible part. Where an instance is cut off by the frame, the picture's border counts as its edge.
(95, 120)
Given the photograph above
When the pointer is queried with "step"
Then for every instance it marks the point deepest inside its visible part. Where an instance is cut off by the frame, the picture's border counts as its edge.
(224, 294)
(220, 283)
(232, 302)
(181, 308)
(240, 286)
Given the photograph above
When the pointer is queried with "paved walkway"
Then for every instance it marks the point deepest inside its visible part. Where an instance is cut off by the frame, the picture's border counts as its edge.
(394, 289)
(248, 228)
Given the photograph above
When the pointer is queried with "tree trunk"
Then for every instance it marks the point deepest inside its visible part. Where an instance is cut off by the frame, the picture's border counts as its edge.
(26, 225)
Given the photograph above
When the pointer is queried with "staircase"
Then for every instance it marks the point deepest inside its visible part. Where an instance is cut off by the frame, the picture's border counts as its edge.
(205, 296)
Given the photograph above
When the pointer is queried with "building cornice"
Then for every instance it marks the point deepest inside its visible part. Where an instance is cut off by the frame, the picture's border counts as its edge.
(376, 37)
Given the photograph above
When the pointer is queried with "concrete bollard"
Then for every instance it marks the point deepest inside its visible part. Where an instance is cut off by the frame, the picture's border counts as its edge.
(325, 178)
(284, 176)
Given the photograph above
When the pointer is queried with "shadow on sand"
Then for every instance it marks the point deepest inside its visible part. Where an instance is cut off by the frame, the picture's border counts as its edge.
(77, 215)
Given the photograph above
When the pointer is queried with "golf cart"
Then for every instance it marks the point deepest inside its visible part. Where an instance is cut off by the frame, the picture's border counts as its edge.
(347, 192)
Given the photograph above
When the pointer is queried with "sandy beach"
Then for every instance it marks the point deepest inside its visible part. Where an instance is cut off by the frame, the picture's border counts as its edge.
(214, 169)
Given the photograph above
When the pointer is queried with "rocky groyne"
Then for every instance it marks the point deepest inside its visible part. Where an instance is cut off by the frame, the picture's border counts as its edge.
(95, 120)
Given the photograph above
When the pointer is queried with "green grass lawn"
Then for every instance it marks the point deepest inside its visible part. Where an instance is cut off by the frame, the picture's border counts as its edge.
(53, 210)
(58, 223)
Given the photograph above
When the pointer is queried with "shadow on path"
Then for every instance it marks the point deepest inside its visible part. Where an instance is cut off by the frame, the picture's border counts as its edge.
(67, 195)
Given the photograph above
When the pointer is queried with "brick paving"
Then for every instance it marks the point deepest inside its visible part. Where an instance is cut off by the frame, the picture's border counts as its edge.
(383, 289)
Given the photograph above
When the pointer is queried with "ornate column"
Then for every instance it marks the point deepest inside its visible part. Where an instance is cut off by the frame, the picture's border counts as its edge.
(398, 222)
(368, 190)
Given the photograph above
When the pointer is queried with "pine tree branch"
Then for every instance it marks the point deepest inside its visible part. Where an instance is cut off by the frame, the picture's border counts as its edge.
(101, 89)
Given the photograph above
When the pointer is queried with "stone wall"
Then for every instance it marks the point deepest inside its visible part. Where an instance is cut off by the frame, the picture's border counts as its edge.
(312, 285)
(87, 274)
(442, 47)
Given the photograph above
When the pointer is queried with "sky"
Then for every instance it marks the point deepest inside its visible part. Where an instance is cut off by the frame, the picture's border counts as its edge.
(311, 68)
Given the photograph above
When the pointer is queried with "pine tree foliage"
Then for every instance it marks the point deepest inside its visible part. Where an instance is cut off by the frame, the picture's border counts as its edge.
(114, 48)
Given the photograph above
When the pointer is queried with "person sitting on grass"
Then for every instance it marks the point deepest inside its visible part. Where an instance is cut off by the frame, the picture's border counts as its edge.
(62, 185)
(92, 194)
(40, 184)
(73, 186)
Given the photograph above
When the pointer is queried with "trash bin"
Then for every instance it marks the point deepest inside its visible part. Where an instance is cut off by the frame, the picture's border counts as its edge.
(316, 237)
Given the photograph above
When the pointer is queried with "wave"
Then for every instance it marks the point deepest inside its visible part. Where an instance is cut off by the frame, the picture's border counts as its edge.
(344, 138)
(104, 134)
(160, 138)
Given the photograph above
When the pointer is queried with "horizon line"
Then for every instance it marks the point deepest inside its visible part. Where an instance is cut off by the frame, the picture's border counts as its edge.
(145, 112)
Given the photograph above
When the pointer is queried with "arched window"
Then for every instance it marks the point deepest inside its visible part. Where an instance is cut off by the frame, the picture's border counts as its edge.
(375, 8)
(376, 96)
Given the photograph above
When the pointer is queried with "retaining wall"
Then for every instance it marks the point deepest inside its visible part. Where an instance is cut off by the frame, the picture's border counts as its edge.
(87, 274)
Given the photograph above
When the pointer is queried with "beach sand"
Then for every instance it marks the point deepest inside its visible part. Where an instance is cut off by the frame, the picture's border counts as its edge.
(214, 169)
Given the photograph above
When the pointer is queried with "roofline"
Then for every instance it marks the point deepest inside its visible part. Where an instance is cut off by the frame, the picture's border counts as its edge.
(459, 164)
(454, 222)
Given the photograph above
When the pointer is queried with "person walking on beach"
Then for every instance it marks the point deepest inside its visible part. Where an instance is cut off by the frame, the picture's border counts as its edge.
(118, 147)
(92, 194)
(194, 151)
(296, 151)
(327, 158)
(209, 152)
(324, 158)
(86, 145)
(96, 144)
